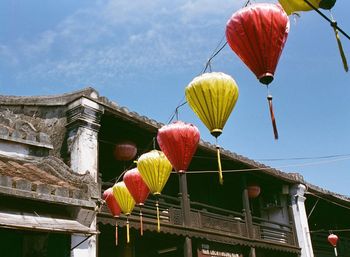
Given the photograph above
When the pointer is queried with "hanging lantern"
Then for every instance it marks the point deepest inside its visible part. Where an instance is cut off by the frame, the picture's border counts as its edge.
(253, 190)
(126, 203)
(179, 142)
(212, 96)
(155, 170)
(257, 34)
(113, 207)
(138, 189)
(292, 6)
(125, 151)
(333, 239)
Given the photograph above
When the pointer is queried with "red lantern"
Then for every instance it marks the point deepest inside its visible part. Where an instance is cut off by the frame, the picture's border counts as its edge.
(111, 202)
(179, 142)
(253, 191)
(125, 151)
(333, 239)
(257, 34)
(137, 188)
(113, 207)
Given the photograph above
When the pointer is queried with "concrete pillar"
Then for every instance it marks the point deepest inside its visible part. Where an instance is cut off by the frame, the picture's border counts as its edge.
(83, 118)
(300, 219)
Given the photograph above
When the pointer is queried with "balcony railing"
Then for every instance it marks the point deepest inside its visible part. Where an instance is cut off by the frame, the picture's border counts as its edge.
(210, 218)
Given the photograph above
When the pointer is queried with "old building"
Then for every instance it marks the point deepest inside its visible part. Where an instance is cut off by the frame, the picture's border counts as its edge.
(56, 157)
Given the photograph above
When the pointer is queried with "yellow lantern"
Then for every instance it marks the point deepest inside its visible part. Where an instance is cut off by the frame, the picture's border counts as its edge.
(155, 170)
(126, 203)
(212, 96)
(291, 6)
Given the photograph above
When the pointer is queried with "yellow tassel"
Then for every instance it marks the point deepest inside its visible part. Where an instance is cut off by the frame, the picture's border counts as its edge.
(141, 221)
(158, 218)
(221, 178)
(127, 230)
(340, 46)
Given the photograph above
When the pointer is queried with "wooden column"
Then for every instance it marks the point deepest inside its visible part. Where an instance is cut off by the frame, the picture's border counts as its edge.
(246, 208)
(247, 214)
(186, 212)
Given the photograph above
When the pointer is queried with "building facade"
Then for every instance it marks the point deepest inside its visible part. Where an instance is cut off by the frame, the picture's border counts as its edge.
(56, 158)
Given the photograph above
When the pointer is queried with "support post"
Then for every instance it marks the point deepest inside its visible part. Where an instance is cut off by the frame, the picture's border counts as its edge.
(247, 214)
(300, 220)
(83, 118)
(246, 208)
(186, 212)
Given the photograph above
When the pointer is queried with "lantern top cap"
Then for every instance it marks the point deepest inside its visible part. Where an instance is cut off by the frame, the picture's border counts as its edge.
(177, 124)
(276, 8)
(213, 76)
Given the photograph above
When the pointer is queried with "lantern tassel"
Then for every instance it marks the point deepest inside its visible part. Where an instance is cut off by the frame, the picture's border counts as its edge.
(116, 233)
(273, 120)
(221, 177)
(335, 251)
(340, 46)
(158, 218)
(127, 230)
(141, 221)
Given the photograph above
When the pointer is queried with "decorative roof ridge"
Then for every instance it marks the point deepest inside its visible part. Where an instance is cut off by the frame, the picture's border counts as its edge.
(49, 100)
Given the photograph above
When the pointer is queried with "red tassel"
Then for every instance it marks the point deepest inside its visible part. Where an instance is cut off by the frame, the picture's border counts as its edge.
(116, 233)
(275, 132)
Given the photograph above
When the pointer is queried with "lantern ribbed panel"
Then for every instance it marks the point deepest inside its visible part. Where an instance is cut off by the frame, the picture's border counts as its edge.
(257, 34)
(212, 96)
(124, 198)
(291, 6)
(136, 186)
(155, 170)
(179, 142)
(111, 202)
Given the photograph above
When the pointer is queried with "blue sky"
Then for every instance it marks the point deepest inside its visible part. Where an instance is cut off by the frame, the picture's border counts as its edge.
(142, 54)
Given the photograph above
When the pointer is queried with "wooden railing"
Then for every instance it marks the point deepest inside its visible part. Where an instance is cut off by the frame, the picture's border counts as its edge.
(273, 231)
(212, 218)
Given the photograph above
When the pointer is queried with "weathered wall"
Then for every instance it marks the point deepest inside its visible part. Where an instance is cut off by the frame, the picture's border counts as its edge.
(48, 119)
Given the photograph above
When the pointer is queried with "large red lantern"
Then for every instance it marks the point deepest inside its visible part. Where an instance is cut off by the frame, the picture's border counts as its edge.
(138, 190)
(333, 239)
(253, 190)
(257, 34)
(179, 142)
(113, 207)
(125, 151)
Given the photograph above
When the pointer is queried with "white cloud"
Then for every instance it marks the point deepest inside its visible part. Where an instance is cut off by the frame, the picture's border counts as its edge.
(118, 38)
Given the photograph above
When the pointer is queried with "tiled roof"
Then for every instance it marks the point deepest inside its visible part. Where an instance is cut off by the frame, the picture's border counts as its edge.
(153, 125)
(49, 177)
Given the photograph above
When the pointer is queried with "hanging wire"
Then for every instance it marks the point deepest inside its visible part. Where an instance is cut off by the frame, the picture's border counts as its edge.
(208, 64)
(327, 19)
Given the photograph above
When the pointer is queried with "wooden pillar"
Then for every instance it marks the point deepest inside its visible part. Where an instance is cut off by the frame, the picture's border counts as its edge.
(246, 208)
(186, 212)
(247, 214)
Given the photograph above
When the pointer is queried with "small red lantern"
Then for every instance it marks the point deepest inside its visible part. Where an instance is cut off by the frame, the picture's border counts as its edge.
(253, 191)
(125, 151)
(333, 239)
(138, 190)
(179, 142)
(113, 207)
(111, 202)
